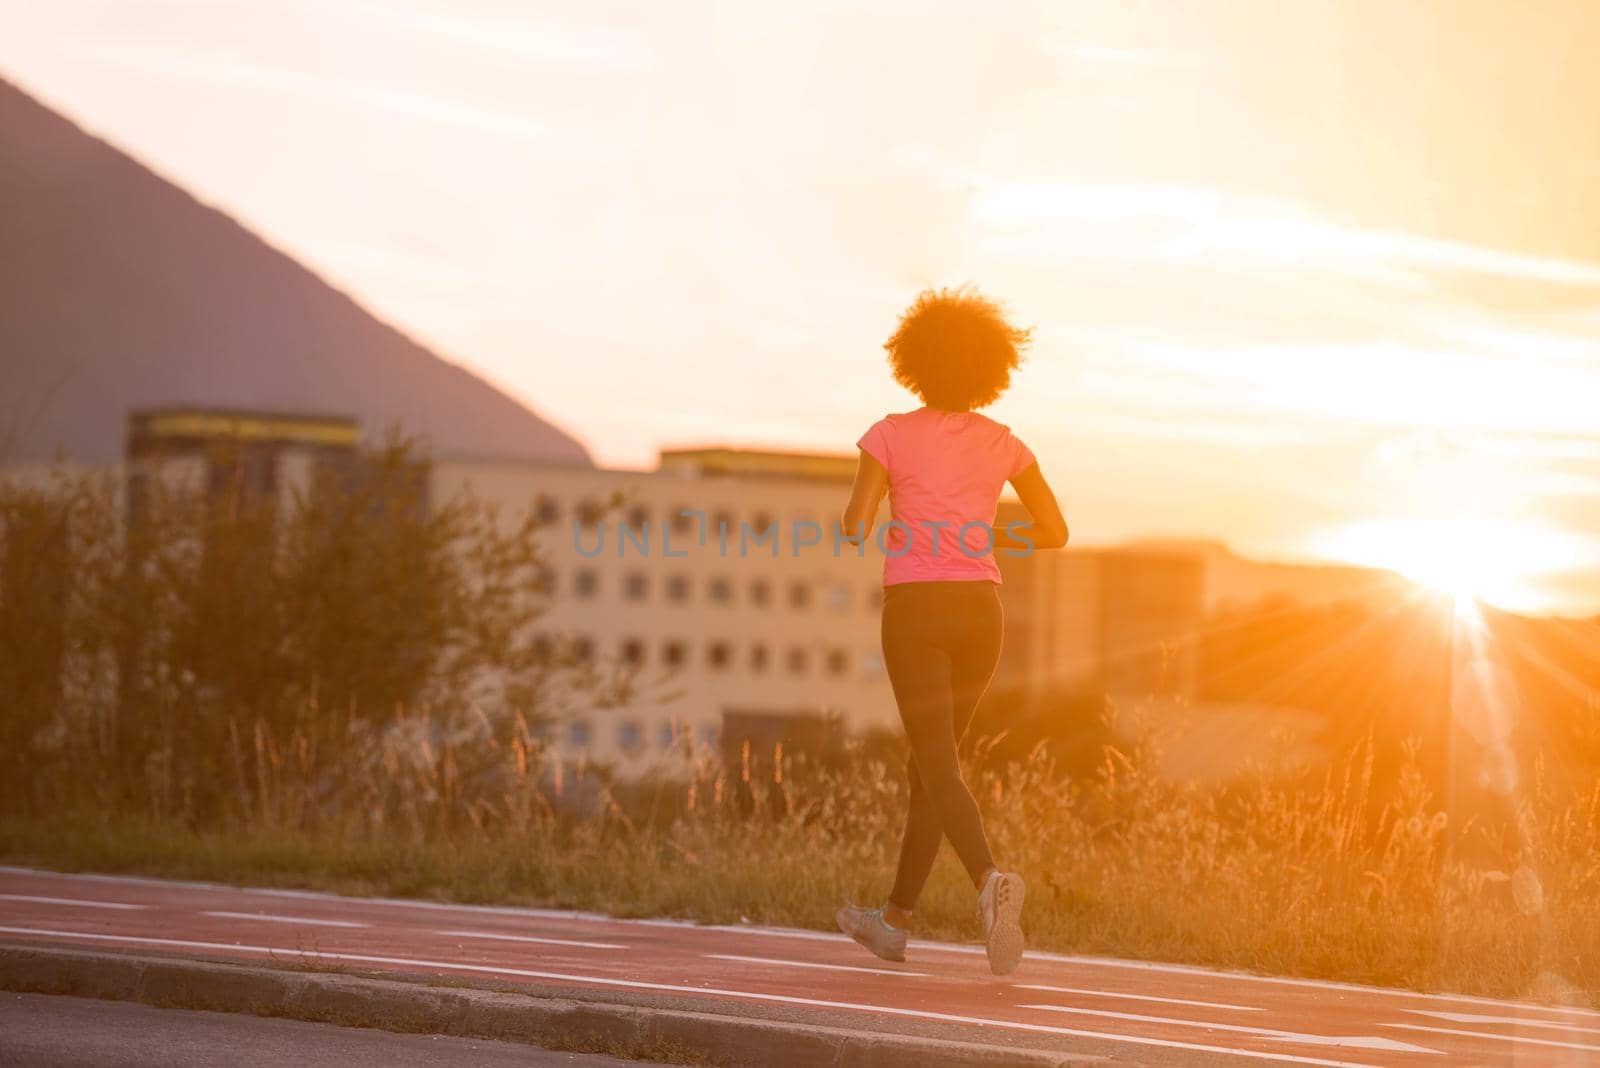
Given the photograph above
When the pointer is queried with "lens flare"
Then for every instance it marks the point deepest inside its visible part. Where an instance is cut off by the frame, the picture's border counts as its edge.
(1497, 561)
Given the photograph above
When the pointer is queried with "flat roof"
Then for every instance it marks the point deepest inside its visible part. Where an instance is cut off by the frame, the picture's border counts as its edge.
(149, 425)
(727, 460)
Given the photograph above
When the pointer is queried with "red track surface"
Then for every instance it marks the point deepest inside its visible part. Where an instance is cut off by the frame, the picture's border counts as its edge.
(1129, 1010)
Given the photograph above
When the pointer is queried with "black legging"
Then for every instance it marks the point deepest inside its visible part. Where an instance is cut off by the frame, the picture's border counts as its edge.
(941, 641)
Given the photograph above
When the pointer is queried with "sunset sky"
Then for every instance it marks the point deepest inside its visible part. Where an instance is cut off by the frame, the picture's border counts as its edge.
(1315, 279)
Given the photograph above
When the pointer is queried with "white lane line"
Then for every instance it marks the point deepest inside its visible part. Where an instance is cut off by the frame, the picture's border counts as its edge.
(1516, 1021)
(34, 899)
(1138, 997)
(1372, 1042)
(297, 920)
(533, 939)
(1520, 1039)
(1213, 974)
(318, 895)
(518, 911)
(1006, 1025)
(811, 964)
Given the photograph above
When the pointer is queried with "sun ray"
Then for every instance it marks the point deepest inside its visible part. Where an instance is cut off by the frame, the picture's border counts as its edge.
(1238, 667)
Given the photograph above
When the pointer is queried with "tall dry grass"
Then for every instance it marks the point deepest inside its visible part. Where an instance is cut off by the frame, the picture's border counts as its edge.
(1292, 880)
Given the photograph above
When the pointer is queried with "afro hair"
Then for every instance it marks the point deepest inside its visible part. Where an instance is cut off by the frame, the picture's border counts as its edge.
(955, 350)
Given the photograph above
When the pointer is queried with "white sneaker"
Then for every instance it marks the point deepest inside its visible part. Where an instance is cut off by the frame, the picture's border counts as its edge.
(1000, 907)
(870, 929)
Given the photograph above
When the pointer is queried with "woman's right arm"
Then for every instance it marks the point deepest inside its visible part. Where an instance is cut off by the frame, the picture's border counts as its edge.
(872, 482)
(1049, 527)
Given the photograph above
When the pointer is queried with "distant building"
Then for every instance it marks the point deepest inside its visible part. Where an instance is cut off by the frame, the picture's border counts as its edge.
(1235, 584)
(233, 452)
(718, 461)
(713, 579)
(1114, 622)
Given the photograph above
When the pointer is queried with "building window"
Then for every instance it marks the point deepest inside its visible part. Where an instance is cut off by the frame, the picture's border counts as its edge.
(720, 589)
(544, 582)
(591, 511)
(760, 592)
(758, 657)
(667, 734)
(546, 509)
(723, 520)
(685, 520)
(799, 660)
(633, 652)
(636, 587)
(583, 649)
(578, 733)
(799, 595)
(630, 736)
(872, 665)
(639, 517)
(678, 588)
(543, 648)
(674, 652)
(838, 661)
(707, 735)
(762, 522)
(838, 597)
(586, 582)
(718, 654)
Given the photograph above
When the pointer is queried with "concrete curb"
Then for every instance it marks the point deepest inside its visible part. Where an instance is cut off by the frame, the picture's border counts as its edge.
(468, 1012)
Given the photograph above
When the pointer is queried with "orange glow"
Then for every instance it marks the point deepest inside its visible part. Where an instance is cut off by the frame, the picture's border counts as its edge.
(1483, 559)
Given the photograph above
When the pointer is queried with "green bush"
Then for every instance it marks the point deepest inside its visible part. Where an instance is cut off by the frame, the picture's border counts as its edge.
(172, 661)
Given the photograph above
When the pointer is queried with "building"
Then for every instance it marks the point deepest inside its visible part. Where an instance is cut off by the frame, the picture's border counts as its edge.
(233, 453)
(716, 580)
(1115, 622)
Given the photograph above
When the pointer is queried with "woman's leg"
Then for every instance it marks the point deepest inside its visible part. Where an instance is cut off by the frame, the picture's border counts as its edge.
(920, 664)
(920, 845)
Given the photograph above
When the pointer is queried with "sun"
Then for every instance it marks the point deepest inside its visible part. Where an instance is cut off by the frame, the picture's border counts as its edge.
(1492, 560)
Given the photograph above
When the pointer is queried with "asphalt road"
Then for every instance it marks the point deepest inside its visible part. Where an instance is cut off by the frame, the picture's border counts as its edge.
(1131, 1012)
(38, 1031)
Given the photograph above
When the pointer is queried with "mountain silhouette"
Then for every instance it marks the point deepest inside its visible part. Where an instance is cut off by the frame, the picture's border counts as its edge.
(119, 290)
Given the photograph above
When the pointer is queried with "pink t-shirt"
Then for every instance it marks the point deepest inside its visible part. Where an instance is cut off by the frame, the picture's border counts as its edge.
(946, 470)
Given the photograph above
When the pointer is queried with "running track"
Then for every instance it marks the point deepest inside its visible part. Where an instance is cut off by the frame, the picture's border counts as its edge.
(1127, 1011)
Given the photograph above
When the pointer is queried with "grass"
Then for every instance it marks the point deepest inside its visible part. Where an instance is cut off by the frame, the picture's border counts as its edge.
(1319, 880)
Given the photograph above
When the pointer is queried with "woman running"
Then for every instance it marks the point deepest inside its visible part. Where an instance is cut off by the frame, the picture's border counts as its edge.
(943, 466)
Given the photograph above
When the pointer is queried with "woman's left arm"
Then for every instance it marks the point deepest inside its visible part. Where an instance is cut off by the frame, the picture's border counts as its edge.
(872, 482)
